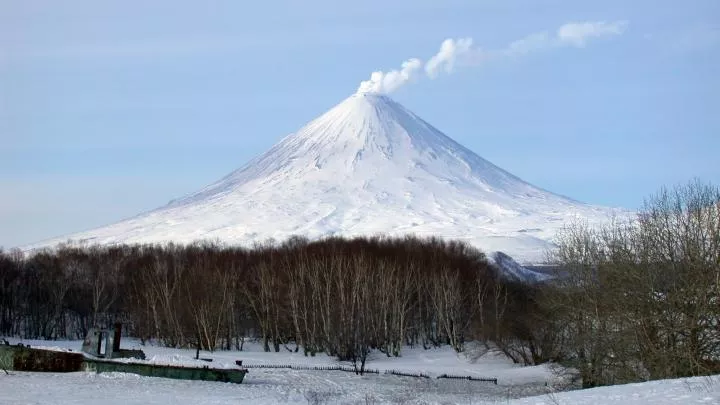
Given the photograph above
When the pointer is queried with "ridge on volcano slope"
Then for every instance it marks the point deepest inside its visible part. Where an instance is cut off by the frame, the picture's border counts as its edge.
(366, 166)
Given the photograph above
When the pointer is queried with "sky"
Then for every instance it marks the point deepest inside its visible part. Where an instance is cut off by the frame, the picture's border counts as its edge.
(112, 108)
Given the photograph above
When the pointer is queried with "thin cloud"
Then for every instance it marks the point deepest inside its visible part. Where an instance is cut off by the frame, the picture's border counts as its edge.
(139, 49)
(696, 38)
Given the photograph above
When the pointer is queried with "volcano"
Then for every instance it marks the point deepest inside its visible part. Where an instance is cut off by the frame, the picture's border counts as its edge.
(366, 166)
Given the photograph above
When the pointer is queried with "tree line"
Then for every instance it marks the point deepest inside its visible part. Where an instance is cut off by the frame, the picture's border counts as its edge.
(640, 299)
(343, 297)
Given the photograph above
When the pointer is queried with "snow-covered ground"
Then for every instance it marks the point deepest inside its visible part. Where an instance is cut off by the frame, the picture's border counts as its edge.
(292, 387)
(432, 362)
(366, 166)
(516, 385)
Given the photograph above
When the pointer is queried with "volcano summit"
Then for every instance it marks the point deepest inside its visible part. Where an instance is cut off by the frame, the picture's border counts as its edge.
(366, 166)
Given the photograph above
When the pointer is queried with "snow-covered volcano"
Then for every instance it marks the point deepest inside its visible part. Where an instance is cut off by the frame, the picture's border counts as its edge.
(366, 166)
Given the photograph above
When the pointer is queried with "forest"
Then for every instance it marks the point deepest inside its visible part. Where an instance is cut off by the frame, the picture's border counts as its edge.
(632, 301)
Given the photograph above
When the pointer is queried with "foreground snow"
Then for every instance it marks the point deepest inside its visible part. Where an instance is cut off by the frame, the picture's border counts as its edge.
(698, 390)
(293, 387)
(366, 166)
(516, 385)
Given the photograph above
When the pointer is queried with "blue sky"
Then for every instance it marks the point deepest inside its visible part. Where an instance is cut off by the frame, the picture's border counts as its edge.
(111, 108)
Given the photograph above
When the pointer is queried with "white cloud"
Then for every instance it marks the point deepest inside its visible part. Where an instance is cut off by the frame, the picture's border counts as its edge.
(577, 34)
(460, 52)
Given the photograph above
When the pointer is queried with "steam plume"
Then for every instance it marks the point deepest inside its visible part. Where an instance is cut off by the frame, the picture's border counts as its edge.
(578, 33)
(387, 82)
(460, 52)
(451, 52)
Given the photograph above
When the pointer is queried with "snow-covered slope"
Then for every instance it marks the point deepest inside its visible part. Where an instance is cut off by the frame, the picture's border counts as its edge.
(366, 166)
(513, 271)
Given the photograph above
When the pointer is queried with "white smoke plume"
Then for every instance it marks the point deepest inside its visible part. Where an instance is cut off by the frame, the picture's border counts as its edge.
(387, 82)
(451, 53)
(531, 43)
(577, 34)
(459, 52)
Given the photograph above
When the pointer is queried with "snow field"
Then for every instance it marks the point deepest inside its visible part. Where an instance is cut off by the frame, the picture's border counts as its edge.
(271, 386)
(516, 385)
